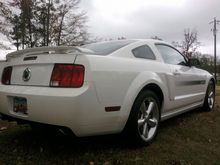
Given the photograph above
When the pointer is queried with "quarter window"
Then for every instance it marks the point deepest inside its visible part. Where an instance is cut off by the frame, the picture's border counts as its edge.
(144, 52)
(171, 55)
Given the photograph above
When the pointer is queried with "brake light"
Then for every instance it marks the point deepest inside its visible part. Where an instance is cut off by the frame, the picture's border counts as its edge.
(6, 75)
(67, 75)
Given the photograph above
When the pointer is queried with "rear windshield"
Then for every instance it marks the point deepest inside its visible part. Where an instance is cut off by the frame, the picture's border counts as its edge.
(105, 48)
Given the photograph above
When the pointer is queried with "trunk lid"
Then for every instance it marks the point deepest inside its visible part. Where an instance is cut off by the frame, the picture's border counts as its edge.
(33, 67)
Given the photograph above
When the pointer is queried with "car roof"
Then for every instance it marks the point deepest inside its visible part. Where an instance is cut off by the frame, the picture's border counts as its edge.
(99, 48)
(134, 41)
(151, 41)
(147, 41)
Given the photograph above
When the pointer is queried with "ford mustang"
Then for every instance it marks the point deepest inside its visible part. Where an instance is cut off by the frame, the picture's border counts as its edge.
(103, 88)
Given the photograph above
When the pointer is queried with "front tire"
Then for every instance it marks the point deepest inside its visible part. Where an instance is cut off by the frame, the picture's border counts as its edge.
(144, 119)
(209, 101)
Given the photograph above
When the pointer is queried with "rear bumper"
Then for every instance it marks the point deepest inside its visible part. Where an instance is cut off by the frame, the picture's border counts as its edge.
(77, 109)
(64, 130)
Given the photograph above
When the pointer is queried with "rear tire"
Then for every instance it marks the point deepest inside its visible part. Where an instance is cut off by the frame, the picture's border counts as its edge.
(144, 119)
(209, 101)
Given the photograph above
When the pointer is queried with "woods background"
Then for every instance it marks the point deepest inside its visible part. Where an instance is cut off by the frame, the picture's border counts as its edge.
(36, 23)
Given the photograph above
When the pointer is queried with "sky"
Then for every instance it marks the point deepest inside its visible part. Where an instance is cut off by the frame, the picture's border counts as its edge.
(166, 19)
(142, 19)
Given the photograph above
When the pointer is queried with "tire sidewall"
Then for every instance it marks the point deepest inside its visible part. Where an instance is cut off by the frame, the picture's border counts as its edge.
(206, 104)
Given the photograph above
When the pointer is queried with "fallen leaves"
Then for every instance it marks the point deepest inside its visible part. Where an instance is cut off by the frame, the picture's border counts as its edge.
(3, 128)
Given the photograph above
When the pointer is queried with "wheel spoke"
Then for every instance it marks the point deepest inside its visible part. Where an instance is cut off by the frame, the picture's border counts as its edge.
(150, 107)
(141, 122)
(212, 101)
(209, 101)
(143, 108)
(145, 130)
(152, 122)
(210, 94)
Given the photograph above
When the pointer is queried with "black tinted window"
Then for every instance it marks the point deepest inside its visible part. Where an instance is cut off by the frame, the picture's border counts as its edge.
(171, 55)
(143, 52)
(104, 48)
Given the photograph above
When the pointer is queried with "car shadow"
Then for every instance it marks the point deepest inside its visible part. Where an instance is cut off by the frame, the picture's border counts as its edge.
(54, 141)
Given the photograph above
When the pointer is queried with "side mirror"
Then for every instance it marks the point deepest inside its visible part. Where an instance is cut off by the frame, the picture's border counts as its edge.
(194, 62)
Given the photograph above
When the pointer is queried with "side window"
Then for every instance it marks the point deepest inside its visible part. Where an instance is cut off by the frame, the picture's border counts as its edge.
(144, 52)
(171, 55)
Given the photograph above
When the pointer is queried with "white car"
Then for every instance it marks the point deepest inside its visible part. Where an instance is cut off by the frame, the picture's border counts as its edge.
(103, 88)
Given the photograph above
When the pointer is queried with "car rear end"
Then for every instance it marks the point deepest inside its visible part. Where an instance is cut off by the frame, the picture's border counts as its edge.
(45, 85)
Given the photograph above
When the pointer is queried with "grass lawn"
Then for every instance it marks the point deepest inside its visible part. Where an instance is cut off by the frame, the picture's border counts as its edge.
(192, 138)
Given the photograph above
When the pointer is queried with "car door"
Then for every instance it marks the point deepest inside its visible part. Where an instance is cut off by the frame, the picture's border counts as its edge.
(186, 83)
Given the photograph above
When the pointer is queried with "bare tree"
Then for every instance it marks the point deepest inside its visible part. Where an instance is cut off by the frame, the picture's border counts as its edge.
(74, 30)
(67, 24)
(156, 38)
(122, 38)
(64, 9)
(43, 22)
(190, 43)
(5, 13)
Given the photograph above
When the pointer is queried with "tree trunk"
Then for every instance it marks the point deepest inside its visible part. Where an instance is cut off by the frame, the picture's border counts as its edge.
(23, 41)
(28, 6)
(16, 35)
(30, 32)
(60, 30)
(48, 21)
(44, 31)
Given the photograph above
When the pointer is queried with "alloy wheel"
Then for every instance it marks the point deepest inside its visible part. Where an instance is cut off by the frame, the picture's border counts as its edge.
(148, 119)
(211, 98)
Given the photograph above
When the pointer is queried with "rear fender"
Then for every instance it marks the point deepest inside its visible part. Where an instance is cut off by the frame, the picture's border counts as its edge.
(142, 80)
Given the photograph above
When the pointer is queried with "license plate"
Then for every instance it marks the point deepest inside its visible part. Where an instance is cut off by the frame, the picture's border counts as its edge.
(20, 105)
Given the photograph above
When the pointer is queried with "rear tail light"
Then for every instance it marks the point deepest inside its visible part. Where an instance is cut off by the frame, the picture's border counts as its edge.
(6, 75)
(67, 75)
